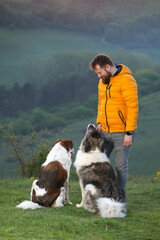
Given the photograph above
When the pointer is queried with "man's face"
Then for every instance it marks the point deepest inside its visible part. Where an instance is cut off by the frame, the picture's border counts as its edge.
(103, 73)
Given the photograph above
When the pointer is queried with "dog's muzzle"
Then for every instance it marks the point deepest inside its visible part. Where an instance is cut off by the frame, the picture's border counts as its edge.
(91, 126)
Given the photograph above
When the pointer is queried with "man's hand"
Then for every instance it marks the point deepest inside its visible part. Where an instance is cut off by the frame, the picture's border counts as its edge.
(127, 140)
(99, 127)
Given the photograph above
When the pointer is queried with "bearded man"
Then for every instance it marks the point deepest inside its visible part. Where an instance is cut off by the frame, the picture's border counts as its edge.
(117, 111)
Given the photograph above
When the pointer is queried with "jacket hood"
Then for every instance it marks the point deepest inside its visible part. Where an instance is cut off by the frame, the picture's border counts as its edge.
(123, 70)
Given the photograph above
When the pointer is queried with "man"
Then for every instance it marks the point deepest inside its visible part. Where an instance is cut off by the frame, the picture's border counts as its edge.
(117, 111)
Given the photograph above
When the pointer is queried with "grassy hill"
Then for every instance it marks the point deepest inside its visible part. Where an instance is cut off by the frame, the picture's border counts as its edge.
(17, 46)
(142, 221)
(136, 26)
(20, 46)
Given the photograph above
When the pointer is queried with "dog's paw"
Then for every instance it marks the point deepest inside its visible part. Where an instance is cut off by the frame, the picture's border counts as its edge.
(59, 205)
(79, 205)
(67, 202)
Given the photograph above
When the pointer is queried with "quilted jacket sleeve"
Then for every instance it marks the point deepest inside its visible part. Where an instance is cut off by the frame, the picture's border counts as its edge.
(130, 96)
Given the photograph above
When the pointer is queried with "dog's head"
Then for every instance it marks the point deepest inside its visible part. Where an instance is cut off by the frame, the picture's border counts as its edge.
(67, 144)
(92, 140)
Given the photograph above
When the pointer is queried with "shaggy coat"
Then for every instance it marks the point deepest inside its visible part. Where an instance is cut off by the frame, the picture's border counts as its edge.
(100, 190)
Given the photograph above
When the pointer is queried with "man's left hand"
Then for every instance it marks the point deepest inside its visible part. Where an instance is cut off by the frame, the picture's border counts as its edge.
(127, 140)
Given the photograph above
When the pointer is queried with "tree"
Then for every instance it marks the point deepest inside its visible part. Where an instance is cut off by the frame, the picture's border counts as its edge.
(29, 151)
(15, 99)
(148, 81)
(30, 96)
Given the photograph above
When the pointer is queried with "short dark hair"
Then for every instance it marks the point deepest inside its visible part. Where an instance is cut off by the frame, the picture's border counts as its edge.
(102, 60)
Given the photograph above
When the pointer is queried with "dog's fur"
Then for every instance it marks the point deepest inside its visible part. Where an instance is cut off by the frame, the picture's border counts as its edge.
(52, 187)
(100, 190)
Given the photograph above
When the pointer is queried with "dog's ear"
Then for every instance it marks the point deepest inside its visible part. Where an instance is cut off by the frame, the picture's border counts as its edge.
(56, 142)
(87, 145)
(101, 144)
(67, 144)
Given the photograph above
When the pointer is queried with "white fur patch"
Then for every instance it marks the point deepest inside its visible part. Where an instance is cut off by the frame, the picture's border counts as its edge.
(87, 158)
(39, 191)
(91, 188)
(109, 208)
(28, 205)
(60, 154)
(60, 198)
(33, 186)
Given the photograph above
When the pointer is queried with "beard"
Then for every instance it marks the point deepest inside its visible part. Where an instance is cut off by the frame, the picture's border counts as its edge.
(106, 79)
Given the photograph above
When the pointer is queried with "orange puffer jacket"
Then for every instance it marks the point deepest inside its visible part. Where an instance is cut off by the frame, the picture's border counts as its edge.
(118, 103)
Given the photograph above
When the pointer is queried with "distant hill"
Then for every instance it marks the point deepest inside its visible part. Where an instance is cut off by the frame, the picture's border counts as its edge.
(120, 22)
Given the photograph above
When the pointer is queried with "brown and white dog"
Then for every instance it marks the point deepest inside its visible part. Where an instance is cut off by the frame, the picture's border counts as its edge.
(52, 187)
(100, 190)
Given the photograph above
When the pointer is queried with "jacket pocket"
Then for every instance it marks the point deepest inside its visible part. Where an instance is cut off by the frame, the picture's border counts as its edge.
(122, 117)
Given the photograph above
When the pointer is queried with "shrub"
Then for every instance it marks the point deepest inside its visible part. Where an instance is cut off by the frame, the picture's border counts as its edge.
(29, 151)
(147, 79)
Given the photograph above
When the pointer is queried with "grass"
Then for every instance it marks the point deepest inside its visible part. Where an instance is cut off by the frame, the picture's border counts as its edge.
(142, 221)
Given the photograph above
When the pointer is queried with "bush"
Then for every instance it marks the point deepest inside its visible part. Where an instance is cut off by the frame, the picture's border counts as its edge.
(42, 119)
(33, 165)
(29, 151)
(148, 80)
(21, 125)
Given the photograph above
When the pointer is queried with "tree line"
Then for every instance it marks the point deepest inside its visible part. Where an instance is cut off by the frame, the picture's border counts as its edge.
(64, 91)
(137, 26)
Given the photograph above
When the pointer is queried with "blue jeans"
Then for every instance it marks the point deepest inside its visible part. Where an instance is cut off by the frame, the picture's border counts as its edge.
(115, 140)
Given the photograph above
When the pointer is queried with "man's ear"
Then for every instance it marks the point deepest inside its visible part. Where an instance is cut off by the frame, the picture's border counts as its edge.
(108, 67)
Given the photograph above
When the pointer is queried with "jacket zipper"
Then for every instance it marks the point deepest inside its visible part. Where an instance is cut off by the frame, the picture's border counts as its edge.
(107, 88)
(122, 117)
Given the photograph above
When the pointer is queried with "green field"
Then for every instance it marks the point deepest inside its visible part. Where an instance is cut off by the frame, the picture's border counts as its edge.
(142, 221)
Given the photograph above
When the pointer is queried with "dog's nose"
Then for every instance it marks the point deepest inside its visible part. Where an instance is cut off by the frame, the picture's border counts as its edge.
(91, 125)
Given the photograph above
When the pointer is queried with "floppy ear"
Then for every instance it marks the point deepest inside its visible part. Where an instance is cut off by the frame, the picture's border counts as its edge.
(67, 144)
(87, 145)
(56, 142)
(101, 144)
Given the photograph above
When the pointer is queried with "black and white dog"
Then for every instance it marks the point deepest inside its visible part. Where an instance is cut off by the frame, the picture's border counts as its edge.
(100, 190)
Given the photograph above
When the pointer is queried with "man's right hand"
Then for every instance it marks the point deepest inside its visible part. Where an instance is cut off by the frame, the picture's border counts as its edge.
(99, 127)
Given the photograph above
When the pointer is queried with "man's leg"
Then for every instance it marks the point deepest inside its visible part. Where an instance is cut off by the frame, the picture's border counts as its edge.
(121, 158)
(108, 143)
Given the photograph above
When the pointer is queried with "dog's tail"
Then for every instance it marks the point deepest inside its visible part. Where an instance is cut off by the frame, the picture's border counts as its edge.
(109, 208)
(28, 205)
